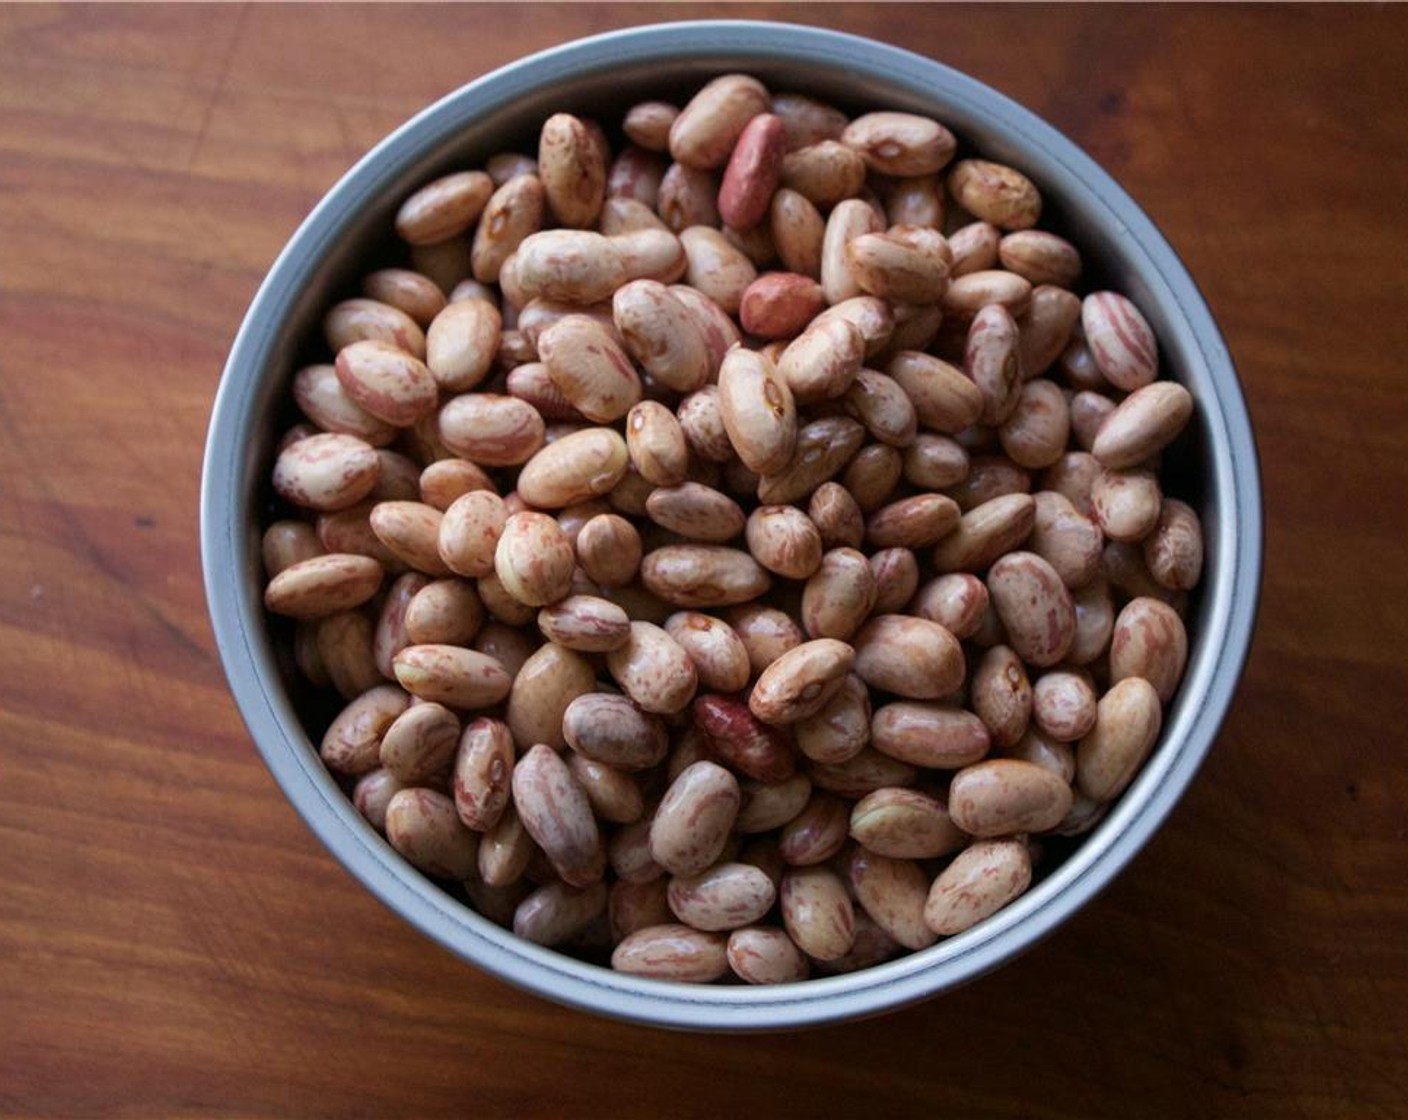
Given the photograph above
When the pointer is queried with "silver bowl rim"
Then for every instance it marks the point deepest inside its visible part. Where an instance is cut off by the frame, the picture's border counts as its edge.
(236, 608)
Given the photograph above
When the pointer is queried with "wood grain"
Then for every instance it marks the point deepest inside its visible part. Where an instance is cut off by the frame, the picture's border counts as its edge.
(173, 940)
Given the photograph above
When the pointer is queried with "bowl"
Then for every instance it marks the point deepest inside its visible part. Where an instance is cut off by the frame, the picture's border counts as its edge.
(604, 75)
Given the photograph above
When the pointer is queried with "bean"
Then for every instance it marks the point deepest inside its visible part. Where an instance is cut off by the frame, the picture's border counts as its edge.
(422, 826)
(816, 912)
(554, 809)
(323, 585)
(673, 952)
(694, 819)
(1127, 722)
(894, 893)
(534, 559)
(1034, 606)
(484, 760)
(911, 657)
(546, 685)
(757, 410)
(995, 193)
(981, 880)
(904, 824)
(1149, 641)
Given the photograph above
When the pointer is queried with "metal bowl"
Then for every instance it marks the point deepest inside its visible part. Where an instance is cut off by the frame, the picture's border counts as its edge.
(602, 76)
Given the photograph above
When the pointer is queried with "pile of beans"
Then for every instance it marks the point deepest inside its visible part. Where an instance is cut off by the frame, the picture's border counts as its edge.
(736, 547)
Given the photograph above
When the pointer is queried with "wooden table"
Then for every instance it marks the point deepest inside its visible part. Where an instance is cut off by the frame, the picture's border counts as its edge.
(172, 938)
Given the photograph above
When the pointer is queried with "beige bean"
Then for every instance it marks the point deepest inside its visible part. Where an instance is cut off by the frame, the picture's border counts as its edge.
(578, 266)
(863, 773)
(835, 514)
(872, 946)
(327, 471)
(627, 215)
(614, 795)
(995, 193)
(420, 743)
(1050, 754)
(447, 479)
(693, 822)
(757, 410)
(765, 955)
(900, 144)
(548, 682)
(817, 833)
(443, 208)
(391, 635)
(1127, 723)
(321, 397)
(916, 326)
(1077, 365)
(582, 465)
(285, 543)
(823, 361)
(469, 532)
(461, 343)
(770, 805)
(944, 399)
(908, 656)
(1001, 695)
(323, 585)
(555, 912)
(352, 742)
(491, 430)
(423, 828)
(418, 296)
(1073, 475)
(608, 549)
(500, 604)
(1089, 411)
(766, 632)
(1068, 541)
(585, 623)
(904, 824)
(816, 912)
(1046, 327)
(879, 403)
(350, 531)
(975, 248)
(648, 124)
(849, 219)
(917, 522)
(800, 682)
(708, 127)
(930, 735)
(696, 512)
(1035, 607)
(1120, 340)
(701, 417)
(985, 533)
(840, 729)
(906, 264)
(703, 575)
(981, 880)
(443, 612)
(514, 212)
(372, 794)
(825, 173)
(797, 232)
(806, 120)
(1122, 565)
(1095, 622)
(483, 775)
(893, 892)
(689, 196)
(572, 170)
(784, 541)
(839, 596)
(1063, 705)
(345, 643)
(896, 572)
(653, 670)
(590, 368)
(505, 850)
(718, 654)
(612, 730)
(716, 268)
(534, 559)
(916, 200)
(1041, 257)
(554, 809)
(451, 675)
(636, 906)
(1173, 549)
(1126, 504)
(823, 448)
(411, 530)
(1149, 641)
(869, 315)
(969, 293)
(386, 381)
(1004, 796)
(726, 896)
(935, 462)
(1034, 434)
(629, 853)
(955, 601)
(994, 363)
(673, 952)
(661, 335)
(872, 475)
